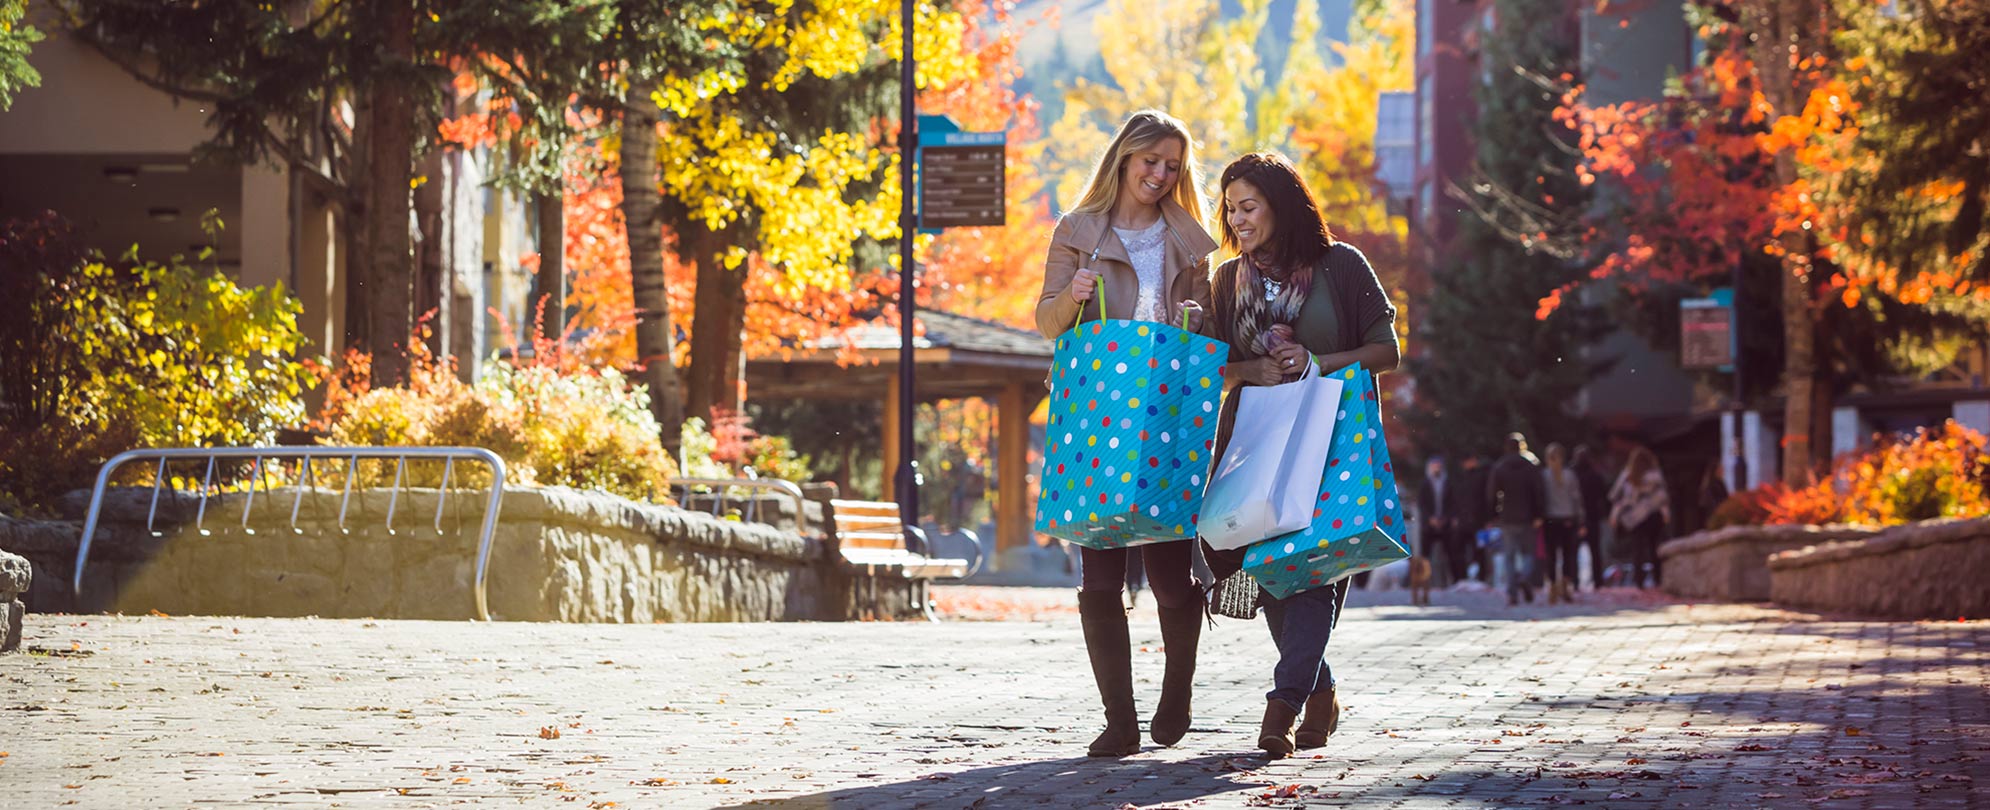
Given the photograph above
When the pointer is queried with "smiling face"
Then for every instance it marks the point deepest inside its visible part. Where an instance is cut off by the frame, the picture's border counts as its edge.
(1151, 173)
(1247, 215)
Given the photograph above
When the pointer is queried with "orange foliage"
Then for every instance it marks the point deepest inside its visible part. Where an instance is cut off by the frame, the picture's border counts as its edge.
(1937, 472)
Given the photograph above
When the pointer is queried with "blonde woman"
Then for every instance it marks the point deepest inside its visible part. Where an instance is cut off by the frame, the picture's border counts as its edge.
(1136, 233)
(1641, 508)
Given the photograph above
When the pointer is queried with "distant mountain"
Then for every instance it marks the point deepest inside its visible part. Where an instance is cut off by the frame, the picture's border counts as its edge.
(1054, 55)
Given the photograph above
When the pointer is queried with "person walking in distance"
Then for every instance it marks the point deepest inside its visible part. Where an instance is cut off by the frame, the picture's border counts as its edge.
(1514, 491)
(1595, 506)
(1137, 233)
(1469, 513)
(1562, 523)
(1432, 501)
(1641, 509)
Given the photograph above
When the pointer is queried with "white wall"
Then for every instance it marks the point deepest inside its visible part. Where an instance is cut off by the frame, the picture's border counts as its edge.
(87, 105)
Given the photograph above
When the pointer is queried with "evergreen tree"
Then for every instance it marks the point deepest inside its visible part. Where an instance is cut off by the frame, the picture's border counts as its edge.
(1489, 366)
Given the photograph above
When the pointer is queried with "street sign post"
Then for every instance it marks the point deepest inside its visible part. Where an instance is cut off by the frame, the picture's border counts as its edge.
(962, 176)
(1706, 332)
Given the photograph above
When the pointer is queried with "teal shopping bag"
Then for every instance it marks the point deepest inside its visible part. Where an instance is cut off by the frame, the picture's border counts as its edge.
(1133, 411)
(1358, 521)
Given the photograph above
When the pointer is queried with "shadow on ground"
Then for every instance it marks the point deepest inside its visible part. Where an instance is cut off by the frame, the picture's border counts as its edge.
(1081, 782)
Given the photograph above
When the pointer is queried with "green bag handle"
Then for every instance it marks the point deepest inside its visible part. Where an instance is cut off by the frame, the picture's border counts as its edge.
(1099, 292)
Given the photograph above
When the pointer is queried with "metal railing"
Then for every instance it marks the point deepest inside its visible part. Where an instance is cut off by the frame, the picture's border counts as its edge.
(721, 487)
(305, 481)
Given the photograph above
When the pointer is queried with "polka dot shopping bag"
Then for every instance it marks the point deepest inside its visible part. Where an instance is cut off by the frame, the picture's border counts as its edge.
(1358, 520)
(1133, 409)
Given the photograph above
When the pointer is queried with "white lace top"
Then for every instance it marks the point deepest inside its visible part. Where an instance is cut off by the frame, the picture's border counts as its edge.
(1147, 248)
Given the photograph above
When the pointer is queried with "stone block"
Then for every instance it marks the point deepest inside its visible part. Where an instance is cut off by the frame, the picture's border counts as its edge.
(1930, 570)
(1732, 564)
(16, 574)
(12, 614)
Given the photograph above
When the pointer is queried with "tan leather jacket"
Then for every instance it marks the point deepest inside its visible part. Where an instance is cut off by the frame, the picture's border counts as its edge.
(1184, 268)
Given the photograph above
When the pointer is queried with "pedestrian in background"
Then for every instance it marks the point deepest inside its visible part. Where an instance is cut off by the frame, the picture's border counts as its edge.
(1641, 509)
(1470, 514)
(1514, 491)
(1439, 535)
(1713, 493)
(1136, 233)
(1595, 506)
(1562, 524)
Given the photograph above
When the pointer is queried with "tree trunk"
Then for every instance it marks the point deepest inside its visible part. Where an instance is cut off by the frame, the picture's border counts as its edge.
(655, 337)
(389, 265)
(718, 319)
(549, 300)
(431, 295)
(1772, 58)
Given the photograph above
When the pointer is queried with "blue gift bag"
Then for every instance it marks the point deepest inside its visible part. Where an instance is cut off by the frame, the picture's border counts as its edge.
(1133, 411)
(1358, 521)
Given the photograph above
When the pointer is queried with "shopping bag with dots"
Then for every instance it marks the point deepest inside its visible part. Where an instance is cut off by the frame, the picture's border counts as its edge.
(1133, 411)
(1358, 522)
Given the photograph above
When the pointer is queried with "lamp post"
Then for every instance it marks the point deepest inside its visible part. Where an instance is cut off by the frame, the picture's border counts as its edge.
(906, 484)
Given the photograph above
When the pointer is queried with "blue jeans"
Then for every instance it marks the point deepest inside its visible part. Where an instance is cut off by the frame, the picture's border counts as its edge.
(1300, 626)
(1516, 544)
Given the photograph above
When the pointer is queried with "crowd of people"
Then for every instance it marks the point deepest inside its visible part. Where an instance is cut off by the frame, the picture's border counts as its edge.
(1520, 523)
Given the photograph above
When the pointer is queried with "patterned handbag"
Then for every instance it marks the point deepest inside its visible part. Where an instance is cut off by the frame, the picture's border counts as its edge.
(1235, 597)
(1127, 445)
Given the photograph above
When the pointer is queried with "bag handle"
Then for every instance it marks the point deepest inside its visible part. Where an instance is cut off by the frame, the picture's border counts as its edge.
(1098, 292)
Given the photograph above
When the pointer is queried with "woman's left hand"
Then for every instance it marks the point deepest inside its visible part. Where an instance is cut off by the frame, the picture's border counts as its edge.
(1291, 357)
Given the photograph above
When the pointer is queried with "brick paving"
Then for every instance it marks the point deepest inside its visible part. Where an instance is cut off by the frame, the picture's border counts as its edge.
(1616, 703)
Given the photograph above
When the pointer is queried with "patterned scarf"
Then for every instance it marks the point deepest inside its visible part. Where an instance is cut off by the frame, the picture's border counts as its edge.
(1255, 315)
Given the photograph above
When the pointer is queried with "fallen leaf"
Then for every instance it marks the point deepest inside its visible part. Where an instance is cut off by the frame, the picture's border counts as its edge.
(462, 780)
(1853, 731)
(720, 780)
(1635, 761)
(549, 733)
(156, 612)
(655, 781)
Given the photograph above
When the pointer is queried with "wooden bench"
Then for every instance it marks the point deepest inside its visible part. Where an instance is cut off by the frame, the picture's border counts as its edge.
(870, 538)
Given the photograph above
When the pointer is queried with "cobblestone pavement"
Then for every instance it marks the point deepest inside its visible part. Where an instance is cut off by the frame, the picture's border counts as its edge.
(1615, 703)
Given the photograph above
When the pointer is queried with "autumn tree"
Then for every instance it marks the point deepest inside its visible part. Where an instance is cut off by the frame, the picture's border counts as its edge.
(1835, 163)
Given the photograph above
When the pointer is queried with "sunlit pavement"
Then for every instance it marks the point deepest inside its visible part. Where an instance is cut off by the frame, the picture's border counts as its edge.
(1624, 701)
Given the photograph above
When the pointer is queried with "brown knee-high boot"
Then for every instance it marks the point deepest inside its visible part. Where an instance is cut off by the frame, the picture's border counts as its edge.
(1181, 633)
(1104, 618)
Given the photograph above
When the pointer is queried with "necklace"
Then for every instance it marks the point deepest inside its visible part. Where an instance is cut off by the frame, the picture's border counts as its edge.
(1272, 289)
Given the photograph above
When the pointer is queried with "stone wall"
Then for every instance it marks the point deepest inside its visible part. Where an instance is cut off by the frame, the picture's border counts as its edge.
(1732, 564)
(557, 555)
(1932, 570)
(15, 574)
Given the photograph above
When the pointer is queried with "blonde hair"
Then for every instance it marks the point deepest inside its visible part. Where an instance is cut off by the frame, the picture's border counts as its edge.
(1141, 132)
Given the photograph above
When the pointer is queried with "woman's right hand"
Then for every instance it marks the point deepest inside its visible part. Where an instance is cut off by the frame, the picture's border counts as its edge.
(1083, 283)
(1256, 371)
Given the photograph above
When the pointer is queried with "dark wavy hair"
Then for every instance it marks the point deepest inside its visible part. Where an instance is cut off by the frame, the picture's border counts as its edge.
(1299, 234)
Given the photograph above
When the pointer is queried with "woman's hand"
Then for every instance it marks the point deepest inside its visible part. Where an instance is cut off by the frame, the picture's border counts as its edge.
(1189, 313)
(1255, 371)
(1290, 357)
(1083, 283)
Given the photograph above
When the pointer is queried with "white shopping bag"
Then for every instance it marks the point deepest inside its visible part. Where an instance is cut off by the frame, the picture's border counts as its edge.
(1270, 474)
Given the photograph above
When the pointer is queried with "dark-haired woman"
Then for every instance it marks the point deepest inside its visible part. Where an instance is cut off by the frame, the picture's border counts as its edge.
(1293, 295)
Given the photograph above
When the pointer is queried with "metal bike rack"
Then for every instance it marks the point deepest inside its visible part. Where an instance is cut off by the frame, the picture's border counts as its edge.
(351, 455)
(721, 486)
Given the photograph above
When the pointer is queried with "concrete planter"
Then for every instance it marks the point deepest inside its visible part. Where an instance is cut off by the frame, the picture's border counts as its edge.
(557, 555)
(1732, 564)
(1932, 570)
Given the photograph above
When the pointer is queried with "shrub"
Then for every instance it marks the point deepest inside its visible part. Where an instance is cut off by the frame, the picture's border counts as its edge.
(730, 448)
(101, 357)
(577, 427)
(1937, 472)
